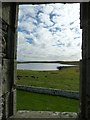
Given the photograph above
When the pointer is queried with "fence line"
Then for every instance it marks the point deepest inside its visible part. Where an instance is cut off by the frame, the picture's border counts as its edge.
(50, 91)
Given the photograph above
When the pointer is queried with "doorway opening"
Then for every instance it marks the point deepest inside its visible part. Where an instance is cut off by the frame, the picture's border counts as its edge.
(48, 54)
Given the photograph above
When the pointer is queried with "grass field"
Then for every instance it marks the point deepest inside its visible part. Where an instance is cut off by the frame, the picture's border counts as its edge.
(66, 78)
(41, 102)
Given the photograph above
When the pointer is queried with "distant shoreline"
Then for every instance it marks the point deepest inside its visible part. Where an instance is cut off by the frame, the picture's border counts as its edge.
(61, 62)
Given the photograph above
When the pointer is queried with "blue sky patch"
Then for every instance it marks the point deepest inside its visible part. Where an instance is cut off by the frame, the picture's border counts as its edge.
(29, 40)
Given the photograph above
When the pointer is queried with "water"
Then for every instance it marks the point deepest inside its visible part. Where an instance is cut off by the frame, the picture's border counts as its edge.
(40, 66)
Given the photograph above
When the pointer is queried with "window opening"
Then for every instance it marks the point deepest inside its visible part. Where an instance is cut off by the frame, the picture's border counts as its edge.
(48, 54)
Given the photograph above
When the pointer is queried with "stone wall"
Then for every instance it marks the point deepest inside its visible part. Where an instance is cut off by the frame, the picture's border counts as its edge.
(7, 58)
(0, 62)
(85, 62)
(50, 91)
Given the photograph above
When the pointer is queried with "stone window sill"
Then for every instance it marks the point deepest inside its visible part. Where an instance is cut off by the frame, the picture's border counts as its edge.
(44, 115)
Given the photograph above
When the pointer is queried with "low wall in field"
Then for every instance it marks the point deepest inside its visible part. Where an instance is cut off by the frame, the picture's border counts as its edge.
(50, 91)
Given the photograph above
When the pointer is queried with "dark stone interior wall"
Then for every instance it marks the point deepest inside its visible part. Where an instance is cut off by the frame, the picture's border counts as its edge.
(0, 62)
(85, 62)
(8, 57)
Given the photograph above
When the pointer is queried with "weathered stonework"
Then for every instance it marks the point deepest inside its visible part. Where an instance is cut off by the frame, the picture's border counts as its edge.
(7, 37)
(44, 115)
(8, 57)
(0, 68)
(50, 91)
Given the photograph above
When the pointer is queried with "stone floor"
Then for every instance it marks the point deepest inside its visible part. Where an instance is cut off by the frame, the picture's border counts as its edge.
(44, 115)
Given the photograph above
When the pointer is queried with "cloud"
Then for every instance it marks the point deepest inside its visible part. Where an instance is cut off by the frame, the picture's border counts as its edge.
(49, 32)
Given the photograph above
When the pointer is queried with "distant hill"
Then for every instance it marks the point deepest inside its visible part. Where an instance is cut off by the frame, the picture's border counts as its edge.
(62, 62)
(70, 62)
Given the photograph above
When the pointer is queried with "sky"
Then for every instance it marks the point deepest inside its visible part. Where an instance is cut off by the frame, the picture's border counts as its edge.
(49, 32)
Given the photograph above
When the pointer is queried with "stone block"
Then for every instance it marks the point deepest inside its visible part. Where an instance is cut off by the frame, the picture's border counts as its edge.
(44, 115)
(10, 44)
(15, 74)
(7, 75)
(1, 107)
(5, 105)
(0, 79)
(14, 101)
(6, 15)
(0, 9)
(8, 104)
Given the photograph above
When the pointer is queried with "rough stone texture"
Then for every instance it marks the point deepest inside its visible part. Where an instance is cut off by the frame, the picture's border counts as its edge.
(8, 44)
(7, 82)
(6, 7)
(8, 56)
(0, 9)
(45, 114)
(51, 91)
(0, 62)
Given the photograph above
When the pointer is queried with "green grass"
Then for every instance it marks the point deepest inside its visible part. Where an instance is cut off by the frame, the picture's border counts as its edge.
(41, 102)
(66, 78)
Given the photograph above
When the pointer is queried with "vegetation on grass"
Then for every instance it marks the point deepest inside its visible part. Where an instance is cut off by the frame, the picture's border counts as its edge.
(65, 79)
(41, 102)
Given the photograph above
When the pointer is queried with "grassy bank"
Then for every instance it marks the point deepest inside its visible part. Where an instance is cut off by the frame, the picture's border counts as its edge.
(66, 78)
(41, 102)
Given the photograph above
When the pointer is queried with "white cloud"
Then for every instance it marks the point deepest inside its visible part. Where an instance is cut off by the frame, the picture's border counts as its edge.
(49, 32)
(47, 9)
(45, 19)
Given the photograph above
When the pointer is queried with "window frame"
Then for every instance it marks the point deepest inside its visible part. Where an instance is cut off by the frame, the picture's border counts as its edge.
(14, 75)
(34, 3)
